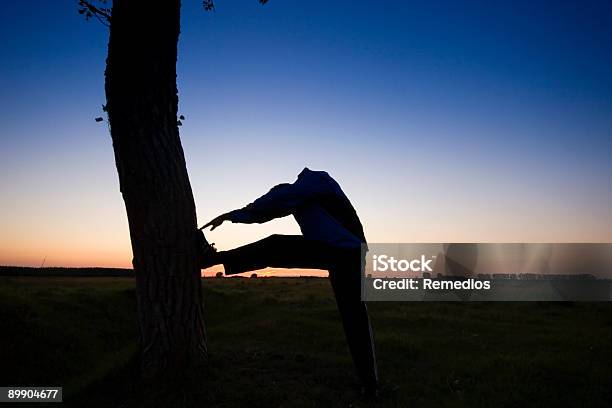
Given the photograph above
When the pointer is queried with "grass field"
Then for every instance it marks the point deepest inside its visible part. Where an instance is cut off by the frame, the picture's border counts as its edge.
(279, 342)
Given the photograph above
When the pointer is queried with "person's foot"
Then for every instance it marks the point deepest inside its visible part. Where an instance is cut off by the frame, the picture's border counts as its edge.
(371, 390)
(206, 251)
(377, 391)
(370, 393)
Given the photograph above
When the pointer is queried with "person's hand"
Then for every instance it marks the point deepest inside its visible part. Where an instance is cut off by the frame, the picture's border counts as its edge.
(215, 222)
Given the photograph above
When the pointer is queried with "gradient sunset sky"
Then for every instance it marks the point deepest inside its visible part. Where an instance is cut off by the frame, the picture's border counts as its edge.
(442, 121)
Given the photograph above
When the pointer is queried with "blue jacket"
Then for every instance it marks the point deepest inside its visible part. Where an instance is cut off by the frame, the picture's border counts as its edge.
(318, 204)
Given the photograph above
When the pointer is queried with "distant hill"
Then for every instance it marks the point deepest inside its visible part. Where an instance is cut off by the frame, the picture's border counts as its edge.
(61, 271)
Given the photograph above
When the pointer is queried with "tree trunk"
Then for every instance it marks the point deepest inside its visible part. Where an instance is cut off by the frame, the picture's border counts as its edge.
(142, 104)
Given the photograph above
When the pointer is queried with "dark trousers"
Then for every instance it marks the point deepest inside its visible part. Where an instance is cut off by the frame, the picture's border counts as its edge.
(344, 266)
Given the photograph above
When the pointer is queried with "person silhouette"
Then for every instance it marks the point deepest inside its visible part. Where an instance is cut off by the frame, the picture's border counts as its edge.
(332, 239)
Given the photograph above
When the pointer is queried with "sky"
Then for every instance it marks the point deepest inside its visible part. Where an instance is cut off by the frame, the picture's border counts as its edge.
(449, 121)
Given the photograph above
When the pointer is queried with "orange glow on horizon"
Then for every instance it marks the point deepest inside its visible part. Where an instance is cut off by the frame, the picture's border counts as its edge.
(75, 259)
(269, 272)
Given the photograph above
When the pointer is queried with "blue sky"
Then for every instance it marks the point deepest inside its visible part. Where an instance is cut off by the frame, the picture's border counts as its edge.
(443, 121)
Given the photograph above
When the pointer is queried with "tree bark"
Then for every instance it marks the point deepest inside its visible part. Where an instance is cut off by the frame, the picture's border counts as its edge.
(142, 105)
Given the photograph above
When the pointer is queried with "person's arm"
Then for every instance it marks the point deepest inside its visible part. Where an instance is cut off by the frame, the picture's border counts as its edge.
(280, 201)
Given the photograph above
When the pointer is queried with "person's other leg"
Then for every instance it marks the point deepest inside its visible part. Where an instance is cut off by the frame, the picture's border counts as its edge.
(346, 283)
(276, 251)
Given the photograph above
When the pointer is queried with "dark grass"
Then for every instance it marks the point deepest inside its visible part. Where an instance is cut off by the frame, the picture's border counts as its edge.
(278, 342)
(64, 272)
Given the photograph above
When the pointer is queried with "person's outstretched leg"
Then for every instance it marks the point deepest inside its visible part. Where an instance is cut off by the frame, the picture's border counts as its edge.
(276, 251)
(346, 282)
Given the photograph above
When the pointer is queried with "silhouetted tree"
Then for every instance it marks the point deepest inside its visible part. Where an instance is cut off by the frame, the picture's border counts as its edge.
(142, 107)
